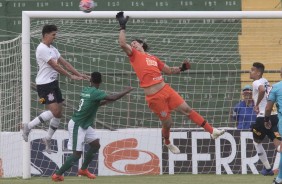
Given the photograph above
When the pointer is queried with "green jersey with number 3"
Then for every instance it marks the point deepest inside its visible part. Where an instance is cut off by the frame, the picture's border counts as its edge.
(85, 115)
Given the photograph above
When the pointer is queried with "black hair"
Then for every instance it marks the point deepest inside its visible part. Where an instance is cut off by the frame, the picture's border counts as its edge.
(48, 29)
(144, 44)
(96, 77)
(259, 66)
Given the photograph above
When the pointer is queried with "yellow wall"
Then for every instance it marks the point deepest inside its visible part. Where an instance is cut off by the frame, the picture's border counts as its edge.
(261, 40)
(251, 5)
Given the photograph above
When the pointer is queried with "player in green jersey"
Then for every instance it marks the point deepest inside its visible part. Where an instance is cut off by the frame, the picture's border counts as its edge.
(81, 129)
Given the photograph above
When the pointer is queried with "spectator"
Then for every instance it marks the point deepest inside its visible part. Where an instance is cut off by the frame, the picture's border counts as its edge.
(243, 112)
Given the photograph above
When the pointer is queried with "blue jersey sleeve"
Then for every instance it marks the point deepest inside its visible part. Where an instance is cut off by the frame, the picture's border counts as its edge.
(275, 95)
(272, 94)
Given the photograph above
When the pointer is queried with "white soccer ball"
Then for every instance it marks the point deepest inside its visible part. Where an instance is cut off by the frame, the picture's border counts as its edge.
(87, 5)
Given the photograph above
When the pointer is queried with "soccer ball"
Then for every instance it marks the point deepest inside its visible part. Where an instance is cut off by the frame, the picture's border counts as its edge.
(86, 5)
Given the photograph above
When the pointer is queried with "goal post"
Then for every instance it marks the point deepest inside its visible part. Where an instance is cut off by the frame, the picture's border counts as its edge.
(218, 69)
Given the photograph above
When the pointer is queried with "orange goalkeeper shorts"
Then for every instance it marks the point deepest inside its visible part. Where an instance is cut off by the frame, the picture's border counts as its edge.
(164, 101)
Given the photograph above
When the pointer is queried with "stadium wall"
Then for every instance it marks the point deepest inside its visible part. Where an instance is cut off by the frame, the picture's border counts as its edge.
(140, 151)
(11, 10)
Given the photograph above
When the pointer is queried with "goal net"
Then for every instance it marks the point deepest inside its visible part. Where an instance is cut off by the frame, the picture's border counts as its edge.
(221, 47)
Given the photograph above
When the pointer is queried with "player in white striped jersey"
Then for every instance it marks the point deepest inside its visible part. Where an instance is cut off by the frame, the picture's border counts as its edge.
(261, 88)
(50, 64)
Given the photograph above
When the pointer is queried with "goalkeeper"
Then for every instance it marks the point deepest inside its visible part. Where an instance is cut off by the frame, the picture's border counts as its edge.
(161, 98)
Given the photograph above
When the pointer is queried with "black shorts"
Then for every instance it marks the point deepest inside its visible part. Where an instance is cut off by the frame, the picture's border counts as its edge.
(49, 93)
(259, 130)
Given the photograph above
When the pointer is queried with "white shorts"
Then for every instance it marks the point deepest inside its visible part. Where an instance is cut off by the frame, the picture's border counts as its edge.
(78, 136)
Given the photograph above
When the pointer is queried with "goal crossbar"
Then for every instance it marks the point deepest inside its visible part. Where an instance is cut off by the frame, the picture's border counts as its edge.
(157, 14)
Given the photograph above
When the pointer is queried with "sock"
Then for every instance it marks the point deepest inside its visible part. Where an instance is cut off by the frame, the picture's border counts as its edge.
(89, 157)
(54, 124)
(44, 116)
(276, 161)
(71, 160)
(262, 155)
(166, 134)
(278, 179)
(280, 170)
(199, 120)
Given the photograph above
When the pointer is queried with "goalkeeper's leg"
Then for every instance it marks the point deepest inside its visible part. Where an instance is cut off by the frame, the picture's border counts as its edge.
(184, 108)
(177, 103)
(159, 104)
(166, 124)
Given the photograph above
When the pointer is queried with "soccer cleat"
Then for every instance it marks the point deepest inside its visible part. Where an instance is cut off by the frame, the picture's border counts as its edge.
(174, 149)
(216, 133)
(56, 177)
(47, 145)
(275, 182)
(85, 172)
(26, 132)
(266, 172)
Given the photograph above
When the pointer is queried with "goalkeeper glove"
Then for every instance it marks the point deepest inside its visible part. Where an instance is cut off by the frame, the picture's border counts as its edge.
(122, 20)
(185, 66)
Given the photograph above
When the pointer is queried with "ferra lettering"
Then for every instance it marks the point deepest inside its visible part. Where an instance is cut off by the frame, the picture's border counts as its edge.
(151, 62)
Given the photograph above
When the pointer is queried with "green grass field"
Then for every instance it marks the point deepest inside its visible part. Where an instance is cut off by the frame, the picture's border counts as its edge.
(161, 179)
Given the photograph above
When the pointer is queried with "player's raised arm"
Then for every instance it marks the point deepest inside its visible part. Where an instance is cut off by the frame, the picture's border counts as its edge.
(112, 98)
(61, 70)
(118, 95)
(71, 69)
(122, 38)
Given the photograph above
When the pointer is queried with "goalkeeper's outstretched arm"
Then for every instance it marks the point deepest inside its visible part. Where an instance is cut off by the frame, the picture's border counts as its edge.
(122, 38)
(122, 42)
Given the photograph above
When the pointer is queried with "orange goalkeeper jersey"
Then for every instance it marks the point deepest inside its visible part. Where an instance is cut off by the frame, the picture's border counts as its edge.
(147, 68)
